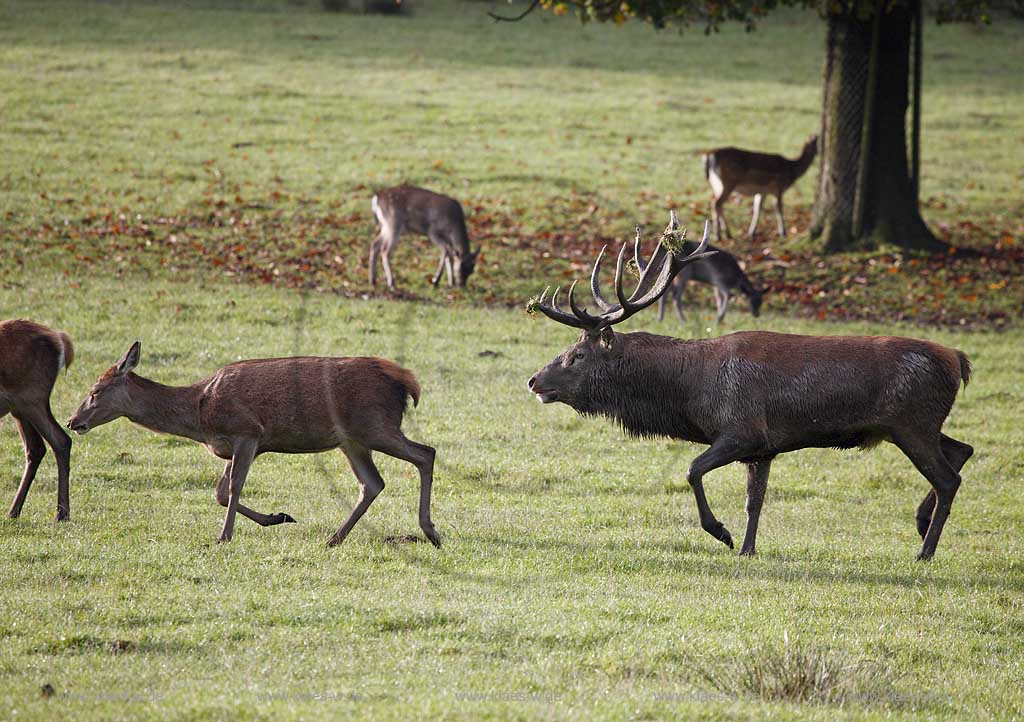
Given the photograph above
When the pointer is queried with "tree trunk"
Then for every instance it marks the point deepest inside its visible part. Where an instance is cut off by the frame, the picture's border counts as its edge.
(889, 206)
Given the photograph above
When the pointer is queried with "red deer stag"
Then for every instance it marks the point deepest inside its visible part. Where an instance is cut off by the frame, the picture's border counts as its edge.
(754, 395)
(753, 174)
(417, 210)
(31, 356)
(300, 405)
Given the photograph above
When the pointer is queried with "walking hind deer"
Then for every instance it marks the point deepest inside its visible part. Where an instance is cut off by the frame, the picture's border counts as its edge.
(417, 210)
(754, 395)
(299, 405)
(31, 357)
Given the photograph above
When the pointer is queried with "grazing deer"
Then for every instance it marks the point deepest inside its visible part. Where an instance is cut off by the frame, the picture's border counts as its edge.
(417, 210)
(31, 356)
(754, 395)
(721, 271)
(753, 174)
(301, 405)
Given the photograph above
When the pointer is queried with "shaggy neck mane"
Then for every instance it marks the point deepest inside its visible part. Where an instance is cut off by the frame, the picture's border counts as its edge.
(633, 389)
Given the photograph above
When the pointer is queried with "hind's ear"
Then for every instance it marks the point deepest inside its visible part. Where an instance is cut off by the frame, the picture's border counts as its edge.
(130, 360)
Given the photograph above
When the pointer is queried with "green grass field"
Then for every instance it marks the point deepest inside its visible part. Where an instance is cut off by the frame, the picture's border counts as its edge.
(575, 581)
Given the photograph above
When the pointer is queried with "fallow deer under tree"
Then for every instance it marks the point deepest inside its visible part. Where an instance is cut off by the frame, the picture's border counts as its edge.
(31, 356)
(721, 271)
(298, 405)
(755, 174)
(754, 395)
(416, 210)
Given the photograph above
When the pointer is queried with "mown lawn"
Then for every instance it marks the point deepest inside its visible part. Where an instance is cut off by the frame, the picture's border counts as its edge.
(574, 568)
(575, 581)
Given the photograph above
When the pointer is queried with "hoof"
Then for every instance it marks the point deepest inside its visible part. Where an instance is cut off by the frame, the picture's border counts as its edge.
(923, 557)
(748, 552)
(283, 518)
(724, 536)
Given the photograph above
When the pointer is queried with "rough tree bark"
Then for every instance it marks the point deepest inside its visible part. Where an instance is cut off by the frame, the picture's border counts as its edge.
(890, 204)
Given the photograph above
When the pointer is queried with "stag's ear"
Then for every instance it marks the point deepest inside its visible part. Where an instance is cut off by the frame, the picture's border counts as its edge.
(130, 360)
(607, 338)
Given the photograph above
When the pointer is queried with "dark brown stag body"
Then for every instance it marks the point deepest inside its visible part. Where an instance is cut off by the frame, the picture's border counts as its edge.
(754, 395)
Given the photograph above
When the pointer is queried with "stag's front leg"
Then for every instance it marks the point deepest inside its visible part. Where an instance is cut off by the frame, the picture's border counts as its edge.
(724, 450)
(243, 454)
(778, 213)
(757, 483)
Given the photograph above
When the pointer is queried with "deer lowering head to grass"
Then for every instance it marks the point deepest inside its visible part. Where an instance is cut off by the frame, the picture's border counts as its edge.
(299, 405)
(417, 210)
(721, 271)
(753, 174)
(31, 356)
(754, 395)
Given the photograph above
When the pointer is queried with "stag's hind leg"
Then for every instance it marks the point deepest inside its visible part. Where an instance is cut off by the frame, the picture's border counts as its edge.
(957, 453)
(927, 456)
(757, 484)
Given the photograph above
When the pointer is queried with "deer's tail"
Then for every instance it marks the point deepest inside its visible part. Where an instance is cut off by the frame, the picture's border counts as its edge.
(965, 368)
(65, 350)
(403, 378)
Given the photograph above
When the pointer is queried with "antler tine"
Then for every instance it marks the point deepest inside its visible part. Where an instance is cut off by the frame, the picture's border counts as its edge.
(581, 313)
(641, 264)
(556, 314)
(619, 263)
(595, 284)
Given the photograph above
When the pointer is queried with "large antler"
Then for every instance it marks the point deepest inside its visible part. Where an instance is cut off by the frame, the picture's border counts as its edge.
(655, 277)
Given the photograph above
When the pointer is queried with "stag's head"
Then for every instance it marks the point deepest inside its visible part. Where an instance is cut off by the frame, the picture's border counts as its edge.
(109, 398)
(567, 377)
(465, 265)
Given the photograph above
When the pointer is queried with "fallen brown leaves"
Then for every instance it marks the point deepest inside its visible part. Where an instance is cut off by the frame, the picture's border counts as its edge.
(323, 247)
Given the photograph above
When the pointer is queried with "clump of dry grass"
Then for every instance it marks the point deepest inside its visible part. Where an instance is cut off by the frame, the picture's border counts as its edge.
(794, 672)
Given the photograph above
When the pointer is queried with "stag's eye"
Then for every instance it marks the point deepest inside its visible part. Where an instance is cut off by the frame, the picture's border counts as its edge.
(579, 355)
